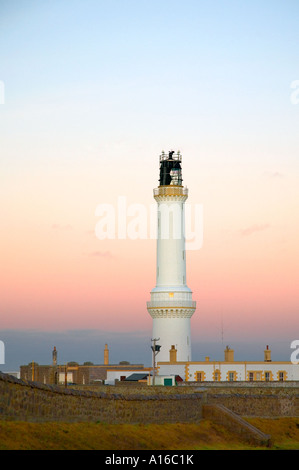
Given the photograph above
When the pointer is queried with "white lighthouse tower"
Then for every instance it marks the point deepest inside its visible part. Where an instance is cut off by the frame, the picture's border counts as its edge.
(171, 306)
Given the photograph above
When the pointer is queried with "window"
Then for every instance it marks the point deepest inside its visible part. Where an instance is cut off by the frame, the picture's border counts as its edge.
(199, 376)
(267, 376)
(216, 375)
(68, 377)
(255, 375)
(231, 376)
(281, 376)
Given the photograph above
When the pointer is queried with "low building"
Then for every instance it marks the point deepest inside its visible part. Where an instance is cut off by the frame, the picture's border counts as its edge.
(73, 373)
(165, 380)
(227, 370)
(230, 370)
(127, 375)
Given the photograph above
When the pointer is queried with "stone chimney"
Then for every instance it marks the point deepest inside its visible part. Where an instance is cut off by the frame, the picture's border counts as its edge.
(173, 354)
(228, 354)
(54, 356)
(106, 355)
(267, 354)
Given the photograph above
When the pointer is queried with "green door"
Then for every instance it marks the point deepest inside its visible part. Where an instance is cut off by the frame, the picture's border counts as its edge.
(168, 382)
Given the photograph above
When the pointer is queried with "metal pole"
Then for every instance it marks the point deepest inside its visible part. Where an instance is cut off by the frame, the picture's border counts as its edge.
(65, 376)
(154, 359)
(154, 363)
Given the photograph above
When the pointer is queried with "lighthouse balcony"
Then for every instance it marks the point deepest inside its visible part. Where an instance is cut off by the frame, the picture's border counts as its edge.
(171, 190)
(171, 156)
(171, 304)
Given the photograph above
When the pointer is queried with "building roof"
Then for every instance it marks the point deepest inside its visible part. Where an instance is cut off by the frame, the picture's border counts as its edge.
(136, 377)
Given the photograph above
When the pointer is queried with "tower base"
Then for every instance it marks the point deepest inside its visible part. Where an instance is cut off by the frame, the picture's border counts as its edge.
(173, 332)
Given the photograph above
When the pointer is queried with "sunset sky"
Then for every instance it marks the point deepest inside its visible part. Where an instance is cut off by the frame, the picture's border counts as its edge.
(93, 92)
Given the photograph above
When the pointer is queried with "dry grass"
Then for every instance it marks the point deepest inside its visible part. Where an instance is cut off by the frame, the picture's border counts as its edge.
(16, 435)
(284, 431)
(100, 436)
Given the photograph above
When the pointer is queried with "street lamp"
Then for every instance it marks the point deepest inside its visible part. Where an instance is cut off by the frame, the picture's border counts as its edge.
(156, 349)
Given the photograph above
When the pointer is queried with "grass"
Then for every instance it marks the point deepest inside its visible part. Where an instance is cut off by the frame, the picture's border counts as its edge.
(207, 435)
(284, 431)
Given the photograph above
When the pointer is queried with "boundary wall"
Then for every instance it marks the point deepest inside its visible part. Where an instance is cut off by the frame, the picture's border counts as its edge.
(31, 401)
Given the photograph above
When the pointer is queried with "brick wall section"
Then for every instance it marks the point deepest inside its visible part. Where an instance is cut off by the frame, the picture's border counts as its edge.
(258, 405)
(220, 414)
(257, 401)
(249, 399)
(24, 400)
(28, 401)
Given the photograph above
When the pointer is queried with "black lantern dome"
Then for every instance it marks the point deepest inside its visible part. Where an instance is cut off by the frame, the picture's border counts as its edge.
(170, 169)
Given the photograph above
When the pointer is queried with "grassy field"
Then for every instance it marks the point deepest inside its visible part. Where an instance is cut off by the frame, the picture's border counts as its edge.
(100, 436)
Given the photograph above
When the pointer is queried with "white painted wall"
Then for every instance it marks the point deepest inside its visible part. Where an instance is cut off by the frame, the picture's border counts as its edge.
(171, 305)
(173, 331)
(241, 368)
(171, 257)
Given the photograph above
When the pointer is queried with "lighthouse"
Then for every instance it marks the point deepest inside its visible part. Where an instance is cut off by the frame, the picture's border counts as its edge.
(171, 306)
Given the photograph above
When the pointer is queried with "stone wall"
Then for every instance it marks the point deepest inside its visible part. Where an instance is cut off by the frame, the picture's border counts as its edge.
(257, 405)
(29, 401)
(256, 401)
(222, 415)
(23, 400)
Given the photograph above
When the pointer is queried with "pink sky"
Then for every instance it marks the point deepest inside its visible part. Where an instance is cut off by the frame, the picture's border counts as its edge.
(90, 96)
(57, 274)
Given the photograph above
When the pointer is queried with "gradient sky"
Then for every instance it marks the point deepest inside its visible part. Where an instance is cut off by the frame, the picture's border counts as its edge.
(94, 90)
